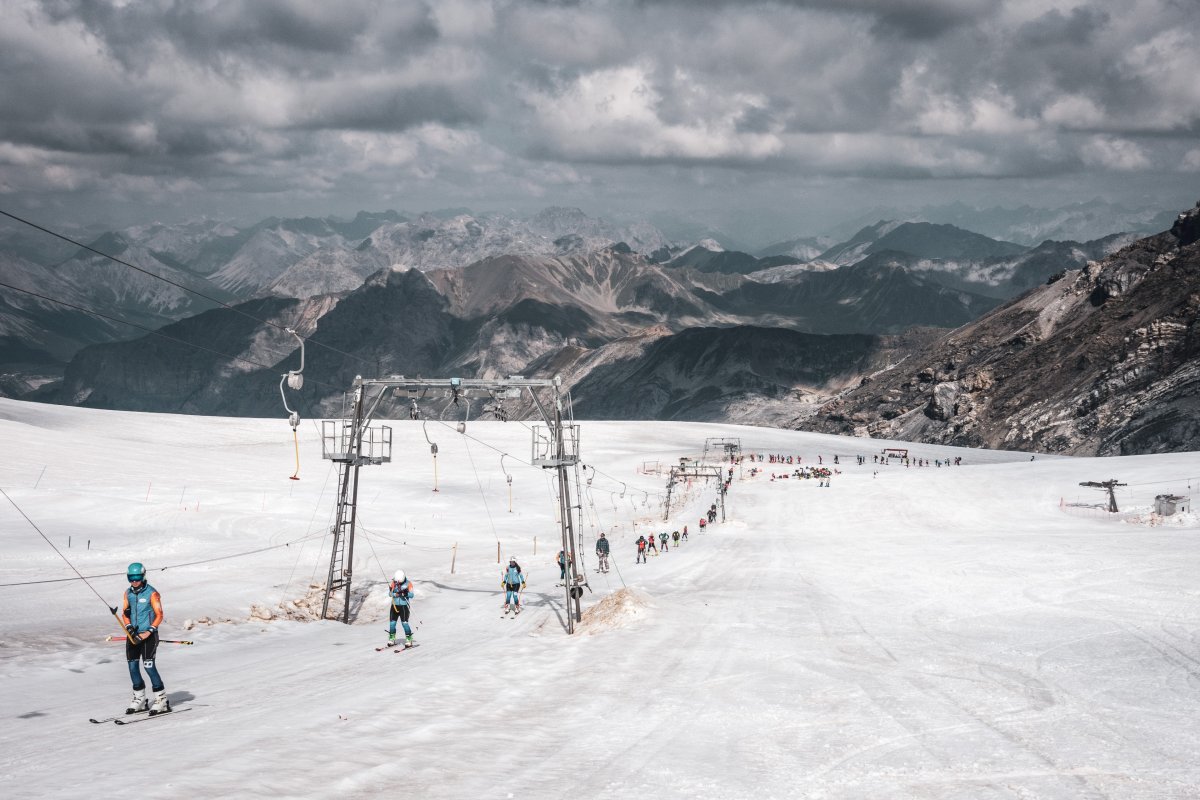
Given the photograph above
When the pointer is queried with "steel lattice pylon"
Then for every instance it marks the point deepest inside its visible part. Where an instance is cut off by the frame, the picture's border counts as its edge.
(354, 442)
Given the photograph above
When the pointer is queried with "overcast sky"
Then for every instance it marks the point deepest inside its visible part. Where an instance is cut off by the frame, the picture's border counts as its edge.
(801, 111)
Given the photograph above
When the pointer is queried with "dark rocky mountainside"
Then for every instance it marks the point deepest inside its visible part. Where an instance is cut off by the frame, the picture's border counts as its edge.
(1101, 360)
(522, 315)
(703, 259)
(741, 374)
(866, 297)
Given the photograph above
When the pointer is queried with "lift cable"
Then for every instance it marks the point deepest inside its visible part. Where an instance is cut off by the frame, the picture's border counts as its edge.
(173, 283)
(167, 336)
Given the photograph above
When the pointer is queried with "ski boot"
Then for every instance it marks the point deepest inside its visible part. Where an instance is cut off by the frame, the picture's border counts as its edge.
(408, 642)
(138, 703)
(161, 704)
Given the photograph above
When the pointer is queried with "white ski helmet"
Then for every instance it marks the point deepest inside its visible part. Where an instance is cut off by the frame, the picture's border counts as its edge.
(399, 576)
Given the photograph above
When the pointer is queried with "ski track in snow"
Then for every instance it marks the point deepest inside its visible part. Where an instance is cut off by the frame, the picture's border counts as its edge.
(926, 633)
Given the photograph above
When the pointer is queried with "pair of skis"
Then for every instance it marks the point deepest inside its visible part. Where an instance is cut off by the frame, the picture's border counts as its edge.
(395, 649)
(136, 716)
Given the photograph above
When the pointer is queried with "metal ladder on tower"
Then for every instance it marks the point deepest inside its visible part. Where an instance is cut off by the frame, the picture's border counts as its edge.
(339, 575)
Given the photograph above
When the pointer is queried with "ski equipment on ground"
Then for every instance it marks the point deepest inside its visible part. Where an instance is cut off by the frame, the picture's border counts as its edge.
(122, 716)
(148, 717)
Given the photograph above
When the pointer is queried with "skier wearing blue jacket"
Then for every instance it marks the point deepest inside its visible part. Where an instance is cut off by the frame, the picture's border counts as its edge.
(513, 581)
(141, 613)
(400, 590)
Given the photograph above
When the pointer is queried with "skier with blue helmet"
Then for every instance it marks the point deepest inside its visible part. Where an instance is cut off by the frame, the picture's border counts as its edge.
(141, 614)
(400, 590)
(513, 581)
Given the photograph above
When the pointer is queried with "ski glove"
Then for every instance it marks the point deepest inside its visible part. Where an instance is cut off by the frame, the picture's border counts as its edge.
(130, 628)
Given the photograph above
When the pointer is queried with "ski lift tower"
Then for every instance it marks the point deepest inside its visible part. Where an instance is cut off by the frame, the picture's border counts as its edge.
(684, 471)
(1110, 486)
(731, 447)
(354, 442)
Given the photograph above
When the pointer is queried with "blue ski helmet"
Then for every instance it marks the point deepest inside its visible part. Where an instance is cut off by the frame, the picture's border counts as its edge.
(136, 572)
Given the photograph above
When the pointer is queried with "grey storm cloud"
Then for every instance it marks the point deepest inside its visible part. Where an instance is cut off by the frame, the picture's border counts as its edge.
(503, 102)
(913, 18)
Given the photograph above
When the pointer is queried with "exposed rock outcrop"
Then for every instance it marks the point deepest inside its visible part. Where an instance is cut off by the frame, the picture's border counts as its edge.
(1104, 360)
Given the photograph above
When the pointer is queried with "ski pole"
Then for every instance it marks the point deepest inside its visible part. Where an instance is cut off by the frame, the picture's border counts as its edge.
(117, 617)
(160, 641)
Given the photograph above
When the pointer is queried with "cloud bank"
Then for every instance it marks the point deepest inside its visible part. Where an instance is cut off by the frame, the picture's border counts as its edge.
(264, 106)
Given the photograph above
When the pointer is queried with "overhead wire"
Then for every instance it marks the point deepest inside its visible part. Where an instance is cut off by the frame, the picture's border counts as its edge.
(60, 555)
(300, 552)
(485, 444)
(620, 482)
(616, 481)
(85, 578)
(371, 544)
(175, 284)
(482, 494)
(152, 331)
(399, 543)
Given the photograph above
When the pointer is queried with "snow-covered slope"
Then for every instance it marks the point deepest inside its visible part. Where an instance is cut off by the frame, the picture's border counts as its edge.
(923, 632)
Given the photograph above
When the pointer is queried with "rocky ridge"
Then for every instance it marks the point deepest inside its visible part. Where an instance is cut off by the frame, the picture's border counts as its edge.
(1101, 360)
(533, 315)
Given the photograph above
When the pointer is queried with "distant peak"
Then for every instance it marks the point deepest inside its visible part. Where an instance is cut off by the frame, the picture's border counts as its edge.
(711, 245)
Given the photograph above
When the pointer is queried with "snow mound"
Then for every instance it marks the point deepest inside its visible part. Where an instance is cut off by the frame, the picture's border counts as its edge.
(620, 609)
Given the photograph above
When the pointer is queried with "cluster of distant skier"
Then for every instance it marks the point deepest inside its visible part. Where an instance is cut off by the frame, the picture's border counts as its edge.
(824, 474)
(646, 545)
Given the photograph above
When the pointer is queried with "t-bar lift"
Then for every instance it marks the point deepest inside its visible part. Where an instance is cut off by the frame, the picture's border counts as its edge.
(353, 441)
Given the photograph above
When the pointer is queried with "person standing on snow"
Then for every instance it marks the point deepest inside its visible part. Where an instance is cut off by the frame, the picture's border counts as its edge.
(675, 537)
(662, 538)
(641, 546)
(602, 551)
(141, 614)
(513, 582)
(562, 566)
(400, 590)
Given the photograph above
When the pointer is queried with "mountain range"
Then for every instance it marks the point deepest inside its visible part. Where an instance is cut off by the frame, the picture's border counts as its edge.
(505, 315)
(697, 332)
